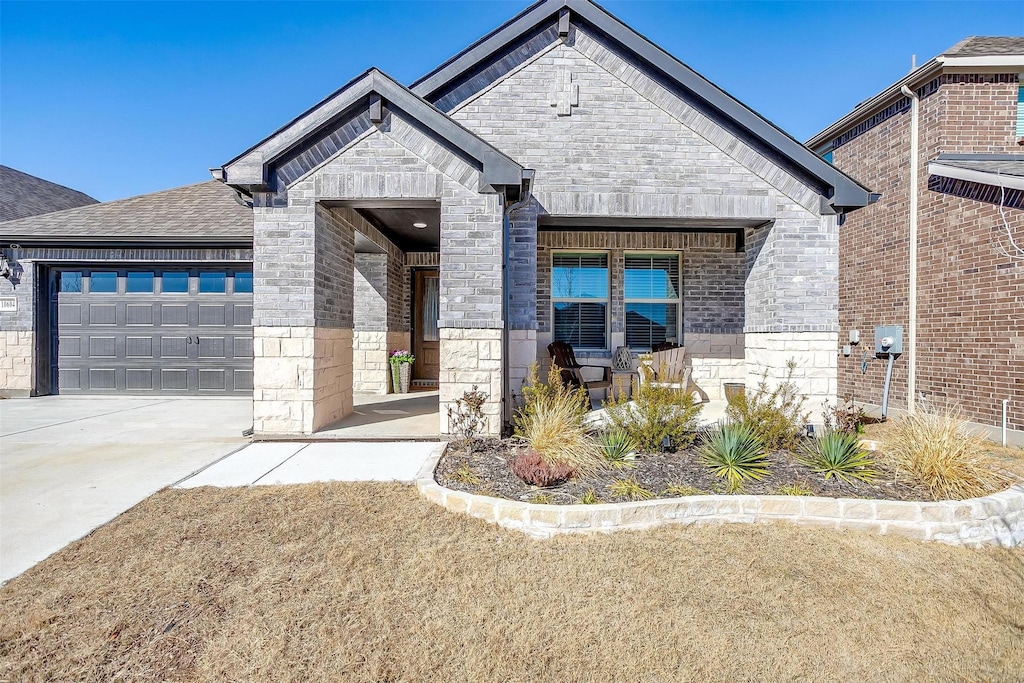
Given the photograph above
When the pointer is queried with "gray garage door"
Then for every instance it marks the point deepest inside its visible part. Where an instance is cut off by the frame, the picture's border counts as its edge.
(153, 331)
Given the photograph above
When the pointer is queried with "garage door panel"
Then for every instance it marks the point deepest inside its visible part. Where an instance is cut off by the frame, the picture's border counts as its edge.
(102, 314)
(69, 314)
(192, 342)
(139, 314)
(138, 347)
(139, 378)
(174, 314)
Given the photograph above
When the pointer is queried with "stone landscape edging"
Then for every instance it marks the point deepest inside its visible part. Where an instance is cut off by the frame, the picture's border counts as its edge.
(997, 519)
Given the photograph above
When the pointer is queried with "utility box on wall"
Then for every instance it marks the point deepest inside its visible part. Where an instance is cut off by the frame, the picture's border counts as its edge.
(888, 339)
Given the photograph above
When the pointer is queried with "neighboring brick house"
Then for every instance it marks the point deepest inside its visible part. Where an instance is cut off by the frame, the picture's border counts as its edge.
(969, 336)
(561, 178)
(24, 195)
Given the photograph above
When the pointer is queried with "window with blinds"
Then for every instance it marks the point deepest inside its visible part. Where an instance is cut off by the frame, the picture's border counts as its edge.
(652, 300)
(1020, 111)
(579, 299)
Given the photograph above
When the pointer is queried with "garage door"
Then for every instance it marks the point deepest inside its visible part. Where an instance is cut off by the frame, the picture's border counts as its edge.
(153, 331)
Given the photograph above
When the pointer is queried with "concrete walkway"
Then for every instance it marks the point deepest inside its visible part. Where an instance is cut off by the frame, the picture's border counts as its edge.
(301, 463)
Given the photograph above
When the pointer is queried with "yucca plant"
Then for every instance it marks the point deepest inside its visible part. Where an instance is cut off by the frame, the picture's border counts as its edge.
(734, 452)
(551, 422)
(618, 447)
(935, 448)
(838, 454)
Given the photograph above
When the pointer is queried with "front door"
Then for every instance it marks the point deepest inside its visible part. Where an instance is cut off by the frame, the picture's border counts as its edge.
(426, 341)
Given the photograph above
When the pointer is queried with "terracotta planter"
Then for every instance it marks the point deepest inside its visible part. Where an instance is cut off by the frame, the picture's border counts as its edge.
(401, 377)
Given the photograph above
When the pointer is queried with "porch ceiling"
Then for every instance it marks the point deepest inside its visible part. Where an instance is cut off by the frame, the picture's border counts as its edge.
(398, 225)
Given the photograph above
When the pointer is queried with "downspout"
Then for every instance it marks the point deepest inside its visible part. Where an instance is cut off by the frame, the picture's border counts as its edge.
(506, 225)
(915, 106)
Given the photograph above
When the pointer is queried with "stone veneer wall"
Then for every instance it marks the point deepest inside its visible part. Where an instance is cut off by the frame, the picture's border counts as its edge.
(17, 363)
(471, 357)
(997, 519)
(815, 358)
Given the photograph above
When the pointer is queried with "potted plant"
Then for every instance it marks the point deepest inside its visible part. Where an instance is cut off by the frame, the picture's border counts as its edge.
(401, 370)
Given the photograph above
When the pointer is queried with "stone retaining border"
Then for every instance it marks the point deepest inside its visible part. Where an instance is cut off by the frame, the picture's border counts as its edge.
(997, 519)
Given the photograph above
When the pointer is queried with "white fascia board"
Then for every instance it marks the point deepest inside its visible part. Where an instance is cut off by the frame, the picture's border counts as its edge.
(983, 177)
(1009, 61)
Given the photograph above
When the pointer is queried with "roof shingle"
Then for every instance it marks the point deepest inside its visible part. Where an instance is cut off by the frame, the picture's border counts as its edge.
(986, 46)
(204, 212)
(24, 195)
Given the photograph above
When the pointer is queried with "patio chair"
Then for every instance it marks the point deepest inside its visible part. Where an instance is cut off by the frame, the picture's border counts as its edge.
(668, 369)
(571, 370)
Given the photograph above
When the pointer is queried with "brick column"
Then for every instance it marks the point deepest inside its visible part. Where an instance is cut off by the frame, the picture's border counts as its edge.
(302, 311)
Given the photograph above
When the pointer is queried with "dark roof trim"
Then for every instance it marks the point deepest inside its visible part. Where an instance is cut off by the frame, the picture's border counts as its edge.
(250, 170)
(116, 241)
(846, 193)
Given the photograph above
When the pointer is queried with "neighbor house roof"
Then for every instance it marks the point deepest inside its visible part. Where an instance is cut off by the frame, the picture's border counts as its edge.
(205, 212)
(976, 54)
(998, 170)
(341, 116)
(24, 195)
(845, 192)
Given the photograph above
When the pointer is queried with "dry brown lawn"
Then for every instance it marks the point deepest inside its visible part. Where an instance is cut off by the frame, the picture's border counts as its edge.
(370, 583)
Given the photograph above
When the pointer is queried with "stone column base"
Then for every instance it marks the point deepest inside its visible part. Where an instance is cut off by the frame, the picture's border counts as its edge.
(302, 378)
(471, 357)
(816, 358)
(716, 359)
(17, 363)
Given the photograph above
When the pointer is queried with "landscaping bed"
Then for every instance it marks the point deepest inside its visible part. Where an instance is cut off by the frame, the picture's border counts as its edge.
(484, 468)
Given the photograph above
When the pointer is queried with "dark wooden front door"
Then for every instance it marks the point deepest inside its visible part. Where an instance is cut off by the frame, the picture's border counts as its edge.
(426, 341)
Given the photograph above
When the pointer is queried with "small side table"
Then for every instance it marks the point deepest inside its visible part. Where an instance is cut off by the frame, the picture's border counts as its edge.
(622, 381)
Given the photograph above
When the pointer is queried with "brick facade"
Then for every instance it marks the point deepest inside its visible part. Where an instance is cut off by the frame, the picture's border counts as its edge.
(970, 298)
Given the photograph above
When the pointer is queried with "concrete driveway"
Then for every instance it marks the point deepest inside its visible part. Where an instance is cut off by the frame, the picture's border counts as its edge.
(71, 464)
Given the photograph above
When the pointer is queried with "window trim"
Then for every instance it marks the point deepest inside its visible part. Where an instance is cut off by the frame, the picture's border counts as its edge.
(678, 301)
(607, 301)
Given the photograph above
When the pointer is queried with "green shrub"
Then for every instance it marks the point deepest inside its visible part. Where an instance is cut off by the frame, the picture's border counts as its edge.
(551, 422)
(838, 454)
(465, 474)
(654, 414)
(774, 415)
(734, 452)
(630, 489)
(589, 498)
(618, 447)
(935, 448)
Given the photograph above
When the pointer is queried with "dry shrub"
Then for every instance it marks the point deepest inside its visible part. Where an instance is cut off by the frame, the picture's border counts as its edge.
(655, 413)
(936, 449)
(775, 416)
(551, 422)
(531, 468)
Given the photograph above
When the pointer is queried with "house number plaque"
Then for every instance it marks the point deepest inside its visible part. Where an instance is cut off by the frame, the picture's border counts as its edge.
(8, 303)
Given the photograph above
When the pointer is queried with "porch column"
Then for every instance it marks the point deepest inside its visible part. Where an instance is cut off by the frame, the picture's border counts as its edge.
(471, 330)
(522, 298)
(302, 317)
(370, 324)
(792, 305)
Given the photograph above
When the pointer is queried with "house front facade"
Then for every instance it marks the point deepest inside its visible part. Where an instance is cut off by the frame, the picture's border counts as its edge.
(562, 178)
(942, 253)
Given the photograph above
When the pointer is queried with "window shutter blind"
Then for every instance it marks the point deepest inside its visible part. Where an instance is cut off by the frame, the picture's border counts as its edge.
(579, 291)
(652, 299)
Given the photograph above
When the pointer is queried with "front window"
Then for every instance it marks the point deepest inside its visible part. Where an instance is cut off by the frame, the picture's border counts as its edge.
(652, 300)
(579, 298)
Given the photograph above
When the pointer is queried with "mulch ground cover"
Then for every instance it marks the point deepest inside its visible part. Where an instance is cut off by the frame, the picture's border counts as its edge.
(484, 468)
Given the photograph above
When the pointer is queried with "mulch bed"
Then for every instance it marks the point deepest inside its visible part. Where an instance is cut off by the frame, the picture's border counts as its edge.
(485, 469)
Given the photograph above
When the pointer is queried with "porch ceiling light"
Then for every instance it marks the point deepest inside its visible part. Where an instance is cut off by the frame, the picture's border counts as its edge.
(419, 225)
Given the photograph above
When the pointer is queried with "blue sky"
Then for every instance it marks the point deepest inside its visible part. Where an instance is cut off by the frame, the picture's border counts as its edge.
(121, 98)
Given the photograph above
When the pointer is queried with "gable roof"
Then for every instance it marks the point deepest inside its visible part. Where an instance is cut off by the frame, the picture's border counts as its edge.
(844, 192)
(368, 96)
(24, 195)
(205, 212)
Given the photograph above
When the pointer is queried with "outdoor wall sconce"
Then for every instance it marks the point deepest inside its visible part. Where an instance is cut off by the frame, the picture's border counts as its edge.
(5, 267)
